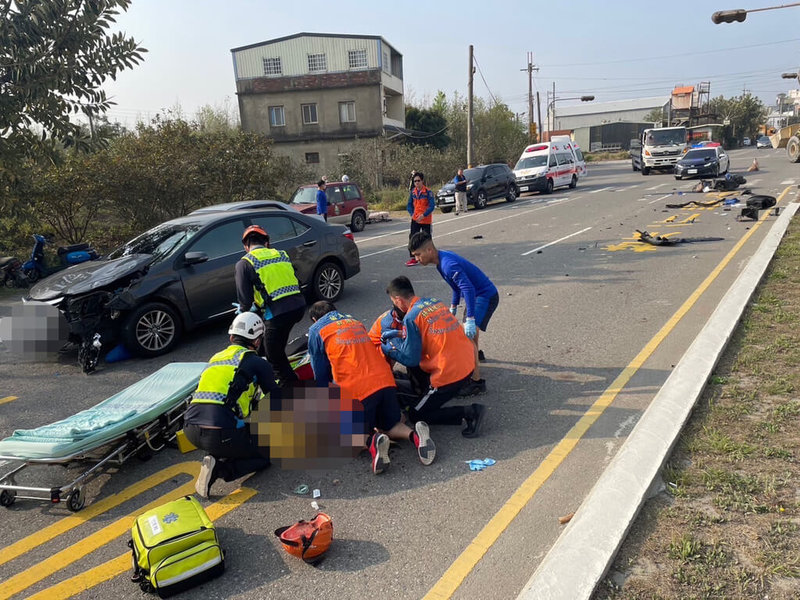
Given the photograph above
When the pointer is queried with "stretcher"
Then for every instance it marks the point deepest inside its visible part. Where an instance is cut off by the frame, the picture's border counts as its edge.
(141, 418)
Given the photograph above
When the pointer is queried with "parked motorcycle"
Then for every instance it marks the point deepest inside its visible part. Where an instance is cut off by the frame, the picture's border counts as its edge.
(35, 268)
(11, 272)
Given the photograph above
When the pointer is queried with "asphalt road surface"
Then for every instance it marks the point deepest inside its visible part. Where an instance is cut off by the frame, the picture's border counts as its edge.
(589, 325)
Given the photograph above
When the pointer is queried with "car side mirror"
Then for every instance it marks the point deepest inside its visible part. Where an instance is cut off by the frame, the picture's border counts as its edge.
(195, 258)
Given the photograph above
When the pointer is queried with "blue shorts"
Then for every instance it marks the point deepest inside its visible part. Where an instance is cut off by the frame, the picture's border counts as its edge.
(381, 410)
(484, 309)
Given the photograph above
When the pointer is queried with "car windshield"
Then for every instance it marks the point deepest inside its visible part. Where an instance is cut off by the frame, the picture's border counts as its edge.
(700, 154)
(763, 138)
(160, 241)
(304, 195)
(667, 137)
(529, 162)
(473, 173)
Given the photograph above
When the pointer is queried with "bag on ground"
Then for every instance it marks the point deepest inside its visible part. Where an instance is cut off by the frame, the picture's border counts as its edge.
(175, 547)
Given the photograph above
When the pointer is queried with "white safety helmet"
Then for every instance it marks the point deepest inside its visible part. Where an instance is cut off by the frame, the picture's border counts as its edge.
(247, 325)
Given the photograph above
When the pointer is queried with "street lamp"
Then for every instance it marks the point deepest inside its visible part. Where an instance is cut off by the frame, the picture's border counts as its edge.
(551, 108)
(738, 15)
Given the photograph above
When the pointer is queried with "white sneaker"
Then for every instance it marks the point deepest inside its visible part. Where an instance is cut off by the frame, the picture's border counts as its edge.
(203, 483)
(426, 449)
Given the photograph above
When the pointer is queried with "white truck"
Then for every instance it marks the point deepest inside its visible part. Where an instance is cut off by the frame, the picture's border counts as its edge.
(660, 149)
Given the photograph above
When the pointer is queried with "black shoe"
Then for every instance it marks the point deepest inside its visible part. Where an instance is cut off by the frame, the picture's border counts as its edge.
(481, 357)
(474, 418)
(473, 388)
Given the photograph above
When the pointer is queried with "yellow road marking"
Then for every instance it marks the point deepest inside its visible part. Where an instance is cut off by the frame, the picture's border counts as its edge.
(116, 566)
(78, 550)
(466, 561)
(8, 399)
(48, 533)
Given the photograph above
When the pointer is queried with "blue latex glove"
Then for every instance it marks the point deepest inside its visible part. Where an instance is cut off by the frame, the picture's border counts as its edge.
(390, 334)
(239, 423)
(453, 309)
(469, 327)
(387, 347)
(253, 308)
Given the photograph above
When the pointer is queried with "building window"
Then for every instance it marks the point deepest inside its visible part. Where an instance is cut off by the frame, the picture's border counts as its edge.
(357, 59)
(272, 66)
(347, 112)
(276, 116)
(317, 63)
(309, 113)
(312, 158)
(387, 67)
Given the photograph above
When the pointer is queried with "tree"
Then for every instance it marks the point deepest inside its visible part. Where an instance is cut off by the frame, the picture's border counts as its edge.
(743, 113)
(54, 57)
(655, 116)
(429, 127)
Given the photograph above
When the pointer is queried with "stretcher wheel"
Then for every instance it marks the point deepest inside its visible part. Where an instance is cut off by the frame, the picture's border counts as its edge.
(7, 497)
(76, 500)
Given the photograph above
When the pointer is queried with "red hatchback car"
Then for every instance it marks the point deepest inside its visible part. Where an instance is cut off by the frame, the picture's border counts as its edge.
(346, 205)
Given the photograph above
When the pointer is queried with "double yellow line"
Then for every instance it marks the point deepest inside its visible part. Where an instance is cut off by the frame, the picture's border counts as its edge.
(60, 560)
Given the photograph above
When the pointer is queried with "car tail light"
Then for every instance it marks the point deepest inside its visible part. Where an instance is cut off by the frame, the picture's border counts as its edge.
(349, 235)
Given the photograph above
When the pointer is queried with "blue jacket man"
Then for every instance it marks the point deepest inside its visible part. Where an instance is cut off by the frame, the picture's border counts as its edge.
(322, 200)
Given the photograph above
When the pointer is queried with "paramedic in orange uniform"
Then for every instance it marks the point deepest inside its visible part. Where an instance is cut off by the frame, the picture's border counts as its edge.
(433, 339)
(341, 352)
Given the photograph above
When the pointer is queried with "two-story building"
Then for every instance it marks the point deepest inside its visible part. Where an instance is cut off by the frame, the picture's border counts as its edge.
(315, 93)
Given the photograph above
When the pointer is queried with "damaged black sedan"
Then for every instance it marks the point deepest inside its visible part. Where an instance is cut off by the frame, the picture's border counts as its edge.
(180, 275)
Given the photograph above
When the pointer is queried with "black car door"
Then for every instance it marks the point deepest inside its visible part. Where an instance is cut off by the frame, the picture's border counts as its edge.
(493, 183)
(291, 234)
(210, 286)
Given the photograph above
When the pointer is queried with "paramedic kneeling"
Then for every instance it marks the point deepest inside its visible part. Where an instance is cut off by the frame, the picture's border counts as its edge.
(214, 421)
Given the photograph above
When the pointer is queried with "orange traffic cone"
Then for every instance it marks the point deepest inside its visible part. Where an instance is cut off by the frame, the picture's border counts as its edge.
(754, 166)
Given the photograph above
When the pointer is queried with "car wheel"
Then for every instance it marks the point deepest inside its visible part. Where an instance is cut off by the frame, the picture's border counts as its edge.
(678, 177)
(32, 275)
(446, 209)
(357, 221)
(481, 200)
(328, 282)
(512, 193)
(152, 329)
(548, 188)
(633, 166)
(645, 170)
(574, 183)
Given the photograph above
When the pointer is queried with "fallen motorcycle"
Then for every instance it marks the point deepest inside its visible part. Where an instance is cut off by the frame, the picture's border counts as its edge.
(35, 267)
(11, 272)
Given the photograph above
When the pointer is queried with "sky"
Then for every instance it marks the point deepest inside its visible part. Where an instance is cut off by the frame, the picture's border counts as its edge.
(611, 49)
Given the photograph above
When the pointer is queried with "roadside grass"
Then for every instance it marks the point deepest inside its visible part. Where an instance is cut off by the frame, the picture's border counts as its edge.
(728, 523)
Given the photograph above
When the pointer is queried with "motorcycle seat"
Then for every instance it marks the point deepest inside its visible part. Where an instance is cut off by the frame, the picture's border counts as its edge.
(4, 260)
(72, 248)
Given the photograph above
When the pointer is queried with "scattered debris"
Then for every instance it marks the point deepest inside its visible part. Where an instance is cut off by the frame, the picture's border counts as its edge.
(301, 490)
(336, 481)
(479, 465)
(755, 204)
(315, 505)
(477, 237)
(565, 519)
(696, 203)
(378, 216)
(316, 493)
(657, 240)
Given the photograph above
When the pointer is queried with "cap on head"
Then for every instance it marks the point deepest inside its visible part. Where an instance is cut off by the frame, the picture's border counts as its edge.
(254, 229)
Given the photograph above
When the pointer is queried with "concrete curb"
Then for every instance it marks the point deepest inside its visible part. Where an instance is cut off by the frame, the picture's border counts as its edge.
(579, 559)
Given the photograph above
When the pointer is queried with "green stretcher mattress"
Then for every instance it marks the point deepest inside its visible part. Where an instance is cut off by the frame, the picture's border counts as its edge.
(133, 407)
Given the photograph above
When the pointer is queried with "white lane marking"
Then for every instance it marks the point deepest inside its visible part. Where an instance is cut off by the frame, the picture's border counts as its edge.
(605, 189)
(655, 187)
(556, 241)
(511, 216)
(787, 182)
(659, 199)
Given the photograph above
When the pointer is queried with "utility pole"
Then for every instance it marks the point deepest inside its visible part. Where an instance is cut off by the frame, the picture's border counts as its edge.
(553, 113)
(531, 120)
(469, 110)
(539, 113)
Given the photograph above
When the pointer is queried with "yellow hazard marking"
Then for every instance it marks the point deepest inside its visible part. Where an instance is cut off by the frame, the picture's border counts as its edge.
(8, 399)
(116, 566)
(48, 533)
(635, 246)
(669, 219)
(466, 561)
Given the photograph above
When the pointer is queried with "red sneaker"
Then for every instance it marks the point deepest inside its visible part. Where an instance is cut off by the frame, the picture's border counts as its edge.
(426, 449)
(379, 450)
(411, 262)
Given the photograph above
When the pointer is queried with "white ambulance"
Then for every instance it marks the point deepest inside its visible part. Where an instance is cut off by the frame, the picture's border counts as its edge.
(549, 165)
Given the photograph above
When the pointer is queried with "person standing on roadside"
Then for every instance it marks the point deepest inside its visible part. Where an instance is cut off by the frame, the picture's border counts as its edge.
(461, 191)
(420, 206)
(322, 200)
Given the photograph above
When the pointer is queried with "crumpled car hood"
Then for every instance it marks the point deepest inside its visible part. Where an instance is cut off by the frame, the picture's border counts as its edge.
(88, 276)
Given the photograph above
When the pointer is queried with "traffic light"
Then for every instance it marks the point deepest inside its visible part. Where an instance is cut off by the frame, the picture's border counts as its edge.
(729, 16)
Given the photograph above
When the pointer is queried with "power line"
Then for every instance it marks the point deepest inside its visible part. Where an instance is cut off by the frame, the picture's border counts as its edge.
(484, 79)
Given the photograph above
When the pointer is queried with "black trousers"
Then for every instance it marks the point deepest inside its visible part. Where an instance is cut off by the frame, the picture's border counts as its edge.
(276, 335)
(415, 227)
(236, 450)
(426, 403)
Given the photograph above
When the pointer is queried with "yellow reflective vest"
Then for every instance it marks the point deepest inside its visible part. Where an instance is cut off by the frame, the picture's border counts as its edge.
(217, 377)
(276, 273)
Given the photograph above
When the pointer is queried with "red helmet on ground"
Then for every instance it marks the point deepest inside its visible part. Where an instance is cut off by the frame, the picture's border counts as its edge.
(308, 540)
(254, 229)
